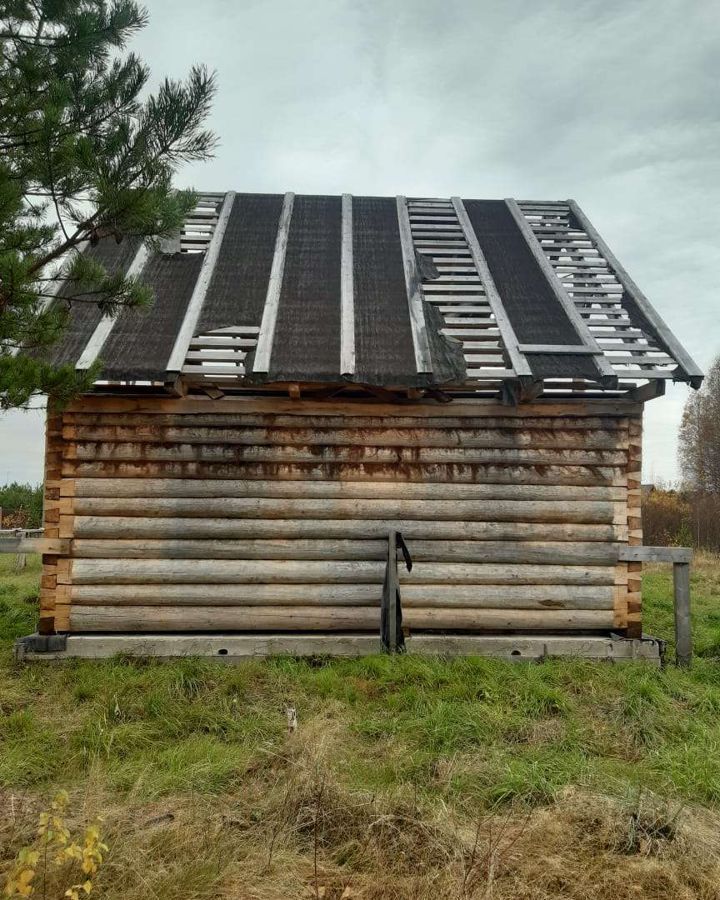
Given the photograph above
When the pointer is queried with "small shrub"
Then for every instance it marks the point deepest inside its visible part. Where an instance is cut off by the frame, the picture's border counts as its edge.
(55, 857)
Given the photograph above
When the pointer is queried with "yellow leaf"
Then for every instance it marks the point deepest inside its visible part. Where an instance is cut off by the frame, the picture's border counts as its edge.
(87, 887)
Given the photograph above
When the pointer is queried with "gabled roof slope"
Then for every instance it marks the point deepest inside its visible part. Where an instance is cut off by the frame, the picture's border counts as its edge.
(382, 291)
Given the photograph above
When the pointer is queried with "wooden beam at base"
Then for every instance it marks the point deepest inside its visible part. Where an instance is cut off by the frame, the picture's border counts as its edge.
(234, 648)
(21, 544)
(656, 554)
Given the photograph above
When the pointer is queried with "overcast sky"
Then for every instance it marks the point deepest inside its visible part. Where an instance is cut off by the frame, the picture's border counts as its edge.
(613, 102)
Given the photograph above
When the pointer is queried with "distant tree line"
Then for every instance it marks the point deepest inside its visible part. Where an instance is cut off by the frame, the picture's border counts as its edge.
(21, 505)
(689, 514)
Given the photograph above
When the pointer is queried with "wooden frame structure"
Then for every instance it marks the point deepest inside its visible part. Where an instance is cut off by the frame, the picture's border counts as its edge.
(320, 372)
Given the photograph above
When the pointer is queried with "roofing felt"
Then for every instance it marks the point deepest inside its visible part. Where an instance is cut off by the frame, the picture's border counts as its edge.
(382, 291)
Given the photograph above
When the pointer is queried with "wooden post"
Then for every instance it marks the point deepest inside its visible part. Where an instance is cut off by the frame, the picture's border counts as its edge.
(680, 557)
(683, 635)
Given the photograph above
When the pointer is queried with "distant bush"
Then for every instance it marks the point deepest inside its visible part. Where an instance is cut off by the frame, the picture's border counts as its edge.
(681, 519)
(21, 505)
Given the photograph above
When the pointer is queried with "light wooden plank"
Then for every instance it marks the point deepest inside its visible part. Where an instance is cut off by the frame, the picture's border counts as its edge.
(197, 298)
(266, 337)
(34, 545)
(668, 340)
(347, 291)
(605, 370)
(656, 554)
(423, 357)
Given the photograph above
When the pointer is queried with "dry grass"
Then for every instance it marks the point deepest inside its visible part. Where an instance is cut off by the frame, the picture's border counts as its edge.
(306, 836)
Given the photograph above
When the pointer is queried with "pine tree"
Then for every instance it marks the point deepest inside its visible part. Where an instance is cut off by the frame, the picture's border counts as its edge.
(700, 435)
(83, 156)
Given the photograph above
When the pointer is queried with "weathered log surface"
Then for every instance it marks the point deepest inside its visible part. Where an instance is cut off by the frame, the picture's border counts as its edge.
(249, 571)
(260, 514)
(143, 422)
(471, 596)
(566, 553)
(388, 436)
(131, 527)
(254, 508)
(505, 472)
(302, 618)
(277, 406)
(168, 488)
(365, 454)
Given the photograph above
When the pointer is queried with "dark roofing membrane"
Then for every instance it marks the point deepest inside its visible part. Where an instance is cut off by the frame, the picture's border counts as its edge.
(84, 317)
(306, 346)
(236, 295)
(306, 343)
(140, 344)
(530, 302)
(384, 350)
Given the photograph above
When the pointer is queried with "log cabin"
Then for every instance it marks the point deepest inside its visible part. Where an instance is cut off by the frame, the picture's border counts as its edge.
(323, 378)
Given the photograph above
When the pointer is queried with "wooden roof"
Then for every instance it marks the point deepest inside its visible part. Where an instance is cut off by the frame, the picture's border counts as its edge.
(264, 289)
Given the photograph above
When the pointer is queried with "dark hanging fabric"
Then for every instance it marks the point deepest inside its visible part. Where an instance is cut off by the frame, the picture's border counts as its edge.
(391, 586)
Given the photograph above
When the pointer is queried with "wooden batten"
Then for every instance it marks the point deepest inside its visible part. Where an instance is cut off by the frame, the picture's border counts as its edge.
(268, 514)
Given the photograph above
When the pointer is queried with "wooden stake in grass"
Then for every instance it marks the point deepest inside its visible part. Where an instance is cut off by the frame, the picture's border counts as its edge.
(292, 719)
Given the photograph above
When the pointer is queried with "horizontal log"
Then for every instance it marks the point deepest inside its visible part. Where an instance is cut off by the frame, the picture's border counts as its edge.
(255, 420)
(97, 527)
(485, 437)
(250, 571)
(359, 453)
(472, 596)
(475, 510)
(680, 555)
(566, 553)
(340, 490)
(459, 474)
(423, 408)
(34, 545)
(310, 618)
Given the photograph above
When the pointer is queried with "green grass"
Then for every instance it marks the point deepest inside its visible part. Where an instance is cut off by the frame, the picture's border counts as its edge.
(470, 735)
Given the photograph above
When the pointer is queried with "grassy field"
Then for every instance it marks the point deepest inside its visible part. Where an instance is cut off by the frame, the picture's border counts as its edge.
(407, 777)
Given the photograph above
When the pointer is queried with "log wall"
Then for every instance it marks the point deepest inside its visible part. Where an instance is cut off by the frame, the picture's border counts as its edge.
(272, 515)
